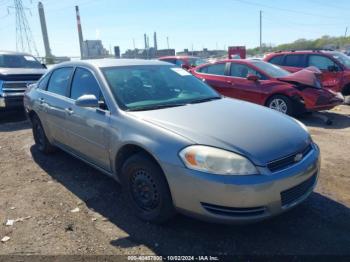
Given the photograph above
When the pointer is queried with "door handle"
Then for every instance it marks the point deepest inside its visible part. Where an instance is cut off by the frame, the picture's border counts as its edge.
(69, 111)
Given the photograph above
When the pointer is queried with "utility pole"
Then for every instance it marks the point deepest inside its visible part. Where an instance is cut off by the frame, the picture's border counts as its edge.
(346, 31)
(261, 51)
(133, 41)
(167, 40)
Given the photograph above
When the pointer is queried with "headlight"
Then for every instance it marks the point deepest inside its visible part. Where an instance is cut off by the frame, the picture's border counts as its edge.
(216, 161)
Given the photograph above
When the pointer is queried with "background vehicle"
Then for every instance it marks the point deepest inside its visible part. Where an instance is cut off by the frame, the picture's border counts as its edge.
(335, 66)
(145, 123)
(237, 52)
(186, 62)
(266, 84)
(17, 71)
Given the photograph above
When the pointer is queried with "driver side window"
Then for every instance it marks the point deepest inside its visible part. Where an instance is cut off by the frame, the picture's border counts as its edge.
(321, 62)
(84, 83)
(242, 71)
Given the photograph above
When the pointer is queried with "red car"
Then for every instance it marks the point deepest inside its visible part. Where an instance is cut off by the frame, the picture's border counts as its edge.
(269, 85)
(335, 66)
(186, 62)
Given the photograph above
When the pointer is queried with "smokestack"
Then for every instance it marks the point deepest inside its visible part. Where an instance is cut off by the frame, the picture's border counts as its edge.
(145, 37)
(44, 30)
(80, 32)
(155, 41)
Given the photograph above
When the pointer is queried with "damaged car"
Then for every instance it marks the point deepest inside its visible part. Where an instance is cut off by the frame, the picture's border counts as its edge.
(266, 84)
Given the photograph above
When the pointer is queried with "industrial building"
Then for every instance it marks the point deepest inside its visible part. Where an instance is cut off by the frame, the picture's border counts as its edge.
(148, 52)
(205, 53)
(94, 49)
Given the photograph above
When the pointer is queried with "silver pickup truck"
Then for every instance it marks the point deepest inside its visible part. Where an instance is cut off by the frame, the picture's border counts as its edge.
(17, 71)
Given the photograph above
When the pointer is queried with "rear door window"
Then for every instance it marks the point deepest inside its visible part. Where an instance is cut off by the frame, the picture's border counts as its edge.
(59, 81)
(43, 82)
(294, 60)
(215, 69)
(277, 60)
(321, 62)
(172, 61)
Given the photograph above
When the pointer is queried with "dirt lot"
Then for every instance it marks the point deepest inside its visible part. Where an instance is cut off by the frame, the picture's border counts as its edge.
(44, 190)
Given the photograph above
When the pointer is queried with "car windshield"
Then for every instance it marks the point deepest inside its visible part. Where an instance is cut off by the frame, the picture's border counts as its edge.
(19, 61)
(342, 58)
(196, 61)
(270, 69)
(138, 88)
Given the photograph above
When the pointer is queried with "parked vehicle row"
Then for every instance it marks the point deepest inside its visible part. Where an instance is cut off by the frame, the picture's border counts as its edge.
(174, 143)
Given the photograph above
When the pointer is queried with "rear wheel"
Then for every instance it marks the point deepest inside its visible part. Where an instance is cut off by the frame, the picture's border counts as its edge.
(281, 104)
(147, 189)
(40, 138)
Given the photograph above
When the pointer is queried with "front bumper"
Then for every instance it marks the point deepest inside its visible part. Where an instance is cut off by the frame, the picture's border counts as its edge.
(237, 199)
(11, 102)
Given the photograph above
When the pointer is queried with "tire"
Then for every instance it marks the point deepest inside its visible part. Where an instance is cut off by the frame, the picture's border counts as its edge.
(147, 189)
(40, 137)
(281, 104)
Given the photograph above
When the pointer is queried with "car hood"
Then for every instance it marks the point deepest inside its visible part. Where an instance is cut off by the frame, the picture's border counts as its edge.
(259, 133)
(309, 76)
(22, 71)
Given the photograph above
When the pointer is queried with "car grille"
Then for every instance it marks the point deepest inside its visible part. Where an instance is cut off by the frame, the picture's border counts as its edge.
(293, 194)
(14, 88)
(234, 211)
(285, 162)
(30, 77)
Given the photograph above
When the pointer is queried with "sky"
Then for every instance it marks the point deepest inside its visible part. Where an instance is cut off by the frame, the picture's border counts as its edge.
(198, 23)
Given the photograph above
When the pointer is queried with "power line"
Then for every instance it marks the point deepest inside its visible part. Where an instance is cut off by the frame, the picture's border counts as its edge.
(24, 37)
(285, 10)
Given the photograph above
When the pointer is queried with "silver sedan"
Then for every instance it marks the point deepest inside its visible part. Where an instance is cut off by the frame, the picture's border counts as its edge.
(172, 141)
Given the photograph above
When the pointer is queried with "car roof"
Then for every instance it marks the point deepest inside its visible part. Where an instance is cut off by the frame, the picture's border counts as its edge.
(241, 61)
(178, 57)
(113, 62)
(284, 52)
(3, 52)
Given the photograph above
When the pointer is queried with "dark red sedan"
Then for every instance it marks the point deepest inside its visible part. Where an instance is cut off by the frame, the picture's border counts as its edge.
(269, 85)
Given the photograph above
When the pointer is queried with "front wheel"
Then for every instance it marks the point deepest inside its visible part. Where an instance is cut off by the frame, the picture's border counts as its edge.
(147, 189)
(281, 104)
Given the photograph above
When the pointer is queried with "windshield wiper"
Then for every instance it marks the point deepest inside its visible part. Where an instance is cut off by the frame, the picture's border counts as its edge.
(205, 100)
(154, 107)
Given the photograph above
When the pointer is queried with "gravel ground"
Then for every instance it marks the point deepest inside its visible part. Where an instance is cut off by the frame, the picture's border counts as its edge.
(40, 192)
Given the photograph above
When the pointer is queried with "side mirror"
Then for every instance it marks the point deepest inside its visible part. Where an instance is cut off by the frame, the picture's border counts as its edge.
(333, 68)
(87, 101)
(252, 77)
(44, 66)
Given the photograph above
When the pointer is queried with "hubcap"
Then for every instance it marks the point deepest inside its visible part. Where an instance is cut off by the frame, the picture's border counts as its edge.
(144, 190)
(279, 105)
